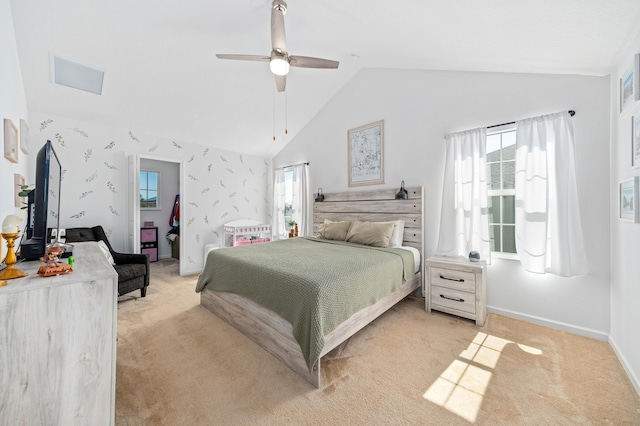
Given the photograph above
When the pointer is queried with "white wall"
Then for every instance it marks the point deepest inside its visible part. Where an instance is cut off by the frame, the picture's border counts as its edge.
(419, 108)
(13, 105)
(169, 187)
(220, 186)
(625, 237)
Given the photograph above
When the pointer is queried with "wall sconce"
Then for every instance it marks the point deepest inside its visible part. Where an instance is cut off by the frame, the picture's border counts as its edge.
(402, 193)
(319, 196)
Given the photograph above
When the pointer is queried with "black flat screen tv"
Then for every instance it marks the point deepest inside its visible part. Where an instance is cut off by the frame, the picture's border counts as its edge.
(44, 205)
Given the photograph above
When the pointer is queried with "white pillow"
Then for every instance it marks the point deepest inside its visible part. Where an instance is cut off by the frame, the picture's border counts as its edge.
(398, 233)
(106, 252)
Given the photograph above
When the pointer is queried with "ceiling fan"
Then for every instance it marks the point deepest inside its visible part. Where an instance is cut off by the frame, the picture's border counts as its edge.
(280, 60)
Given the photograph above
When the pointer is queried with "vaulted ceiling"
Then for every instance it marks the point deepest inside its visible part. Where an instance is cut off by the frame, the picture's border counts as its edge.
(162, 77)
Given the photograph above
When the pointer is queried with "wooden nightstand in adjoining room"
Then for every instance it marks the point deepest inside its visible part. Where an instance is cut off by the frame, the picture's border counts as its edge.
(457, 286)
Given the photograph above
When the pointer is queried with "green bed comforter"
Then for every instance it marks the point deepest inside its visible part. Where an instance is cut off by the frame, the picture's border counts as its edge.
(314, 284)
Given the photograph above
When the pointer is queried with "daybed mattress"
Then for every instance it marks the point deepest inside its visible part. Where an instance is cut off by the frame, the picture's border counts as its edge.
(314, 284)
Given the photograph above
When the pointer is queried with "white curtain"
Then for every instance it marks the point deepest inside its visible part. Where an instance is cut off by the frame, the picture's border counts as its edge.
(464, 219)
(278, 225)
(300, 199)
(547, 216)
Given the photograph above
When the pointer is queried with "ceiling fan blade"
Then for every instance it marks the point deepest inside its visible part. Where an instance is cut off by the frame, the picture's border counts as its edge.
(257, 58)
(309, 62)
(278, 36)
(281, 82)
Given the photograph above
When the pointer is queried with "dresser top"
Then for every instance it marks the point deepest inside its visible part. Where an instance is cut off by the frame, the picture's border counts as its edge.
(89, 263)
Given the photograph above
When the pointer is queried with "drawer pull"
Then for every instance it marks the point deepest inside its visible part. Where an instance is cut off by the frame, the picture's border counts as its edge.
(455, 299)
(444, 277)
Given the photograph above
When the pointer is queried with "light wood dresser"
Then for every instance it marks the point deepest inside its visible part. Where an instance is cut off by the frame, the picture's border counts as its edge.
(58, 344)
(457, 286)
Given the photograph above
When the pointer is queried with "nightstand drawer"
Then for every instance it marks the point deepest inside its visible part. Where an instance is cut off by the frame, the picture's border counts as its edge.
(454, 299)
(454, 279)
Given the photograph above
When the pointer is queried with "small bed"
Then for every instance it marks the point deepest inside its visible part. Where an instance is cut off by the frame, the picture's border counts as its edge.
(300, 298)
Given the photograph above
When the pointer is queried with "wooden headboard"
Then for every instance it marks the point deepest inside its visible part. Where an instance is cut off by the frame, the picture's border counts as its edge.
(376, 206)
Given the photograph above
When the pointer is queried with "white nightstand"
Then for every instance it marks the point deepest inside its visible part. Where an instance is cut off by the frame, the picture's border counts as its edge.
(457, 286)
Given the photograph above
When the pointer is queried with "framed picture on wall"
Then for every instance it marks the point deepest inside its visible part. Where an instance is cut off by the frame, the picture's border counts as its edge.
(24, 136)
(630, 85)
(18, 181)
(629, 211)
(366, 154)
(635, 141)
(10, 141)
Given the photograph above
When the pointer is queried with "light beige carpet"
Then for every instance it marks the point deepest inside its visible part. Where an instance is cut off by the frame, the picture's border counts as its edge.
(179, 364)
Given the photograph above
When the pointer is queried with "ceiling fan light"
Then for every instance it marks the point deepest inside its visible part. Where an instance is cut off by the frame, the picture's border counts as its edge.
(279, 66)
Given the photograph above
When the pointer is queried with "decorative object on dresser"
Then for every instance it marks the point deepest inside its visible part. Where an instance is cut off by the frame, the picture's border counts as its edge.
(149, 242)
(366, 154)
(246, 231)
(10, 232)
(320, 196)
(132, 269)
(59, 345)
(457, 286)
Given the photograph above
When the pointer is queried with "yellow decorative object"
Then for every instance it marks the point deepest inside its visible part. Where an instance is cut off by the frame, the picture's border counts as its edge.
(11, 271)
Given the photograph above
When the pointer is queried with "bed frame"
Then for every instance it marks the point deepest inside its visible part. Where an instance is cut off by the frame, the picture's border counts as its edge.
(275, 334)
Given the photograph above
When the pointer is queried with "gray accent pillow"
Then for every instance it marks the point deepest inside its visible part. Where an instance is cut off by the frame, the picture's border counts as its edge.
(334, 230)
(377, 234)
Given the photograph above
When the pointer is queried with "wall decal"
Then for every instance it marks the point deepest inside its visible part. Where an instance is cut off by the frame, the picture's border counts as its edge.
(92, 177)
(191, 159)
(251, 171)
(133, 137)
(192, 203)
(114, 211)
(44, 124)
(153, 148)
(111, 145)
(206, 219)
(222, 184)
(78, 215)
(85, 194)
(177, 145)
(224, 215)
(111, 187)
(60, 140)
(205, 190)
(87, 154)
(192, 177)
(229, 170)
(209, 168)
(80, 132)
(109, 166)
(206, 151)
(215, 203)
(233, 194)
(223, 159)
(193, 219)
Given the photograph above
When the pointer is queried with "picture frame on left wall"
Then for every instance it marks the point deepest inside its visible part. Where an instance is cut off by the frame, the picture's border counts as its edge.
(24, 136)
(630, 85)
(18, 181)
(10, 141)
(635, 141)
(629, 211)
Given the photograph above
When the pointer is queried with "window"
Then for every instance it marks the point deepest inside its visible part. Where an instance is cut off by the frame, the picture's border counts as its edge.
(288, 198)
(149, 196)
(501, 165)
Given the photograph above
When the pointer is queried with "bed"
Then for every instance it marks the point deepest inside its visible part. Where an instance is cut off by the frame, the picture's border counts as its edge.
(229, 274)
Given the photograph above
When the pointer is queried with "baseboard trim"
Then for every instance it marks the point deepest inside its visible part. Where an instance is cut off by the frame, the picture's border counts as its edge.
(623, 361)
(582, 331)
(192, 271)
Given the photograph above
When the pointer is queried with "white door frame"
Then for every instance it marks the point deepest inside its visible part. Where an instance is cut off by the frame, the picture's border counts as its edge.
(134, 202)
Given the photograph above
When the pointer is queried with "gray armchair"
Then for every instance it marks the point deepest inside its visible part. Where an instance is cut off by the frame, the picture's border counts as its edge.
(132, 269)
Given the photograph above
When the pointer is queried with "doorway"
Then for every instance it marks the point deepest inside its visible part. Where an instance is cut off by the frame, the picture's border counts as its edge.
(163, 182)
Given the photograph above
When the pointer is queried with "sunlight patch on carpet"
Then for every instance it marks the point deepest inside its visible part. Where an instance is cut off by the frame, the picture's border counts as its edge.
(461, 387)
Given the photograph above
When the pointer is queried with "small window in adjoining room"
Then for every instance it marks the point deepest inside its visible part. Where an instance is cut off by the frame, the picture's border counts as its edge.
(501, 166)
(149, 195)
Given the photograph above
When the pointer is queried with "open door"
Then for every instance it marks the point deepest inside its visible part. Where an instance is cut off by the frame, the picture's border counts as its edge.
(134, 204)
